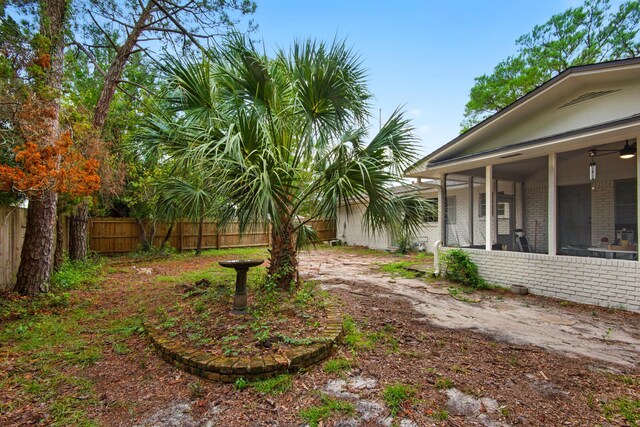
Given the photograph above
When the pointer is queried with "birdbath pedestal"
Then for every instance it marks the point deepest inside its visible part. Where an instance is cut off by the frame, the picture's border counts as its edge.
(241, 266)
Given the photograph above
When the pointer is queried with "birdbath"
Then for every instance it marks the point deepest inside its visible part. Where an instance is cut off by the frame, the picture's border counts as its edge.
(241, 266)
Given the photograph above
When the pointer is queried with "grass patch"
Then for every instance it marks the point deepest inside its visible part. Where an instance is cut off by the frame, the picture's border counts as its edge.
(396, 395)
(315, 414)
(336, 365)
(276, 385)
(76, 274)
(627, 409)
(399, 269)
(72, 275)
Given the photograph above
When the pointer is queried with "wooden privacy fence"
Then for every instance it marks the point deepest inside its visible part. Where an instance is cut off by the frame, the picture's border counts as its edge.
(120, 235)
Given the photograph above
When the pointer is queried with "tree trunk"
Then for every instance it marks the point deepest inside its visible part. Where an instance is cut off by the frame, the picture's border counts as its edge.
(283, 264)
(35, 260)
(78, 232)
(36, 257)
(144, 242)
(78, 226)
(59, 252)
(116, 68)
(199, 244)
(167, 237)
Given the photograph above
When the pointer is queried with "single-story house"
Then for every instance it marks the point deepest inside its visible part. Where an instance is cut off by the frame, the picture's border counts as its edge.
(560, 166)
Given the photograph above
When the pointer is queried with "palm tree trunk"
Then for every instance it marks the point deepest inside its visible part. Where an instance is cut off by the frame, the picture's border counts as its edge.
(167, 237)
(78, 232)
(199, 245)
(283, 264)
(142, 232)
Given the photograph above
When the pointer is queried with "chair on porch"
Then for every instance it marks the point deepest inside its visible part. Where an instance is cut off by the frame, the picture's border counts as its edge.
(521, 240)
(523, 244)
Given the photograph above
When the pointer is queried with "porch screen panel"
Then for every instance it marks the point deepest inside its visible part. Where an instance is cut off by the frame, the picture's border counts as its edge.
(456, 212)
(627, 207)
(479, 213)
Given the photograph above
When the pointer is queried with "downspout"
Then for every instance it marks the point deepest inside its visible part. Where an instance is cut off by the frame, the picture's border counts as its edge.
(436, 258)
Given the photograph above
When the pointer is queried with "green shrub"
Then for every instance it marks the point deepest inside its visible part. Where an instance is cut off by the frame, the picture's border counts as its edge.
(461, 269)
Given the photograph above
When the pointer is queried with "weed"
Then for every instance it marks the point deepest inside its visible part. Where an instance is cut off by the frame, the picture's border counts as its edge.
(241, 384)
(276, 385)
(457, 368)
(315, 414)
(196, 389)
(504, 411)
(336, 366)
(623, 407)
(121, 348)
(440, 415)
(456, 293)
(444, 383)
(396, 395)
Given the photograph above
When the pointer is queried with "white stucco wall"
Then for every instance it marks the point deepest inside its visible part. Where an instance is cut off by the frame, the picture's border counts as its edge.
(351, 231)
(599, 281)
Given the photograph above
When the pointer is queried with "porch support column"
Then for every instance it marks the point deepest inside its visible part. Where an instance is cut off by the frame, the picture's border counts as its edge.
(552, 218)
(442, 223)
(470, 219)
(637, 196)
(488, 183)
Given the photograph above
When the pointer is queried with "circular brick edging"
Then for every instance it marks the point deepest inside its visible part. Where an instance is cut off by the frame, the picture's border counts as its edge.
(228, 368)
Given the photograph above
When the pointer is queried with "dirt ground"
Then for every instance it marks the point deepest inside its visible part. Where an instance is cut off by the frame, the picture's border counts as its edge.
(505, 361)
(570, 329)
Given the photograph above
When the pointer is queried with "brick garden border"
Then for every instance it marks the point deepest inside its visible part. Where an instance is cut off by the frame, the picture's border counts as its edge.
(228, 368)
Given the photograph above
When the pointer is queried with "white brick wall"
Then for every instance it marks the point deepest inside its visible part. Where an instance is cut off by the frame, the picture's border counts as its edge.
(602, 211)
(599, 281)
(535, 217)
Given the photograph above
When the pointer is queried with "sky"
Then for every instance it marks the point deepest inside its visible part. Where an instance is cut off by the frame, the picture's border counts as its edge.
(420, 55)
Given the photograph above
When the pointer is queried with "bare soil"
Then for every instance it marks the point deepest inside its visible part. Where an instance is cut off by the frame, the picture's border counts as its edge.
(508, 360)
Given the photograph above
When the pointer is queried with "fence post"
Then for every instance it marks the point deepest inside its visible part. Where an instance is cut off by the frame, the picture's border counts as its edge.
(217, 236)
(180, 241)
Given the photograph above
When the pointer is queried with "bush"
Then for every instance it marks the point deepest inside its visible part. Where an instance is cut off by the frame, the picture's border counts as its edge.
(461, 269)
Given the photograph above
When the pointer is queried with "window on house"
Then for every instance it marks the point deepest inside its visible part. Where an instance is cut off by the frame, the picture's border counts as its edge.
(502, 208)
(482, 207)
(432, 215)
(451, 209)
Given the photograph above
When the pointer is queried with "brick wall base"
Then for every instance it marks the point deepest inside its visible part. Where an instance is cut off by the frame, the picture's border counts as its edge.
(600, 281)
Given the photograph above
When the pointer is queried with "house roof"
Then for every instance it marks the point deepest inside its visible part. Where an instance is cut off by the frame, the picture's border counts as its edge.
(572, 79)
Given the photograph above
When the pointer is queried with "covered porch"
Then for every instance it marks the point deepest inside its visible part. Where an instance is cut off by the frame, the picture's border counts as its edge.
(591, 210)
(558, 166)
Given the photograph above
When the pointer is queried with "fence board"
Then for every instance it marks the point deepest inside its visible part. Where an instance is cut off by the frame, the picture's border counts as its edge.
(12, 225)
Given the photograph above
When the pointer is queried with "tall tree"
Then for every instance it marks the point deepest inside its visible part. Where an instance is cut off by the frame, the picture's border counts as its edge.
(127, 28)
(41, 128)
(279, 135)
(582, 35)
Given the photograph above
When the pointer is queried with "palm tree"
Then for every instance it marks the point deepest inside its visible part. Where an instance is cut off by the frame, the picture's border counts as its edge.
(282, 140)
(185, 197)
